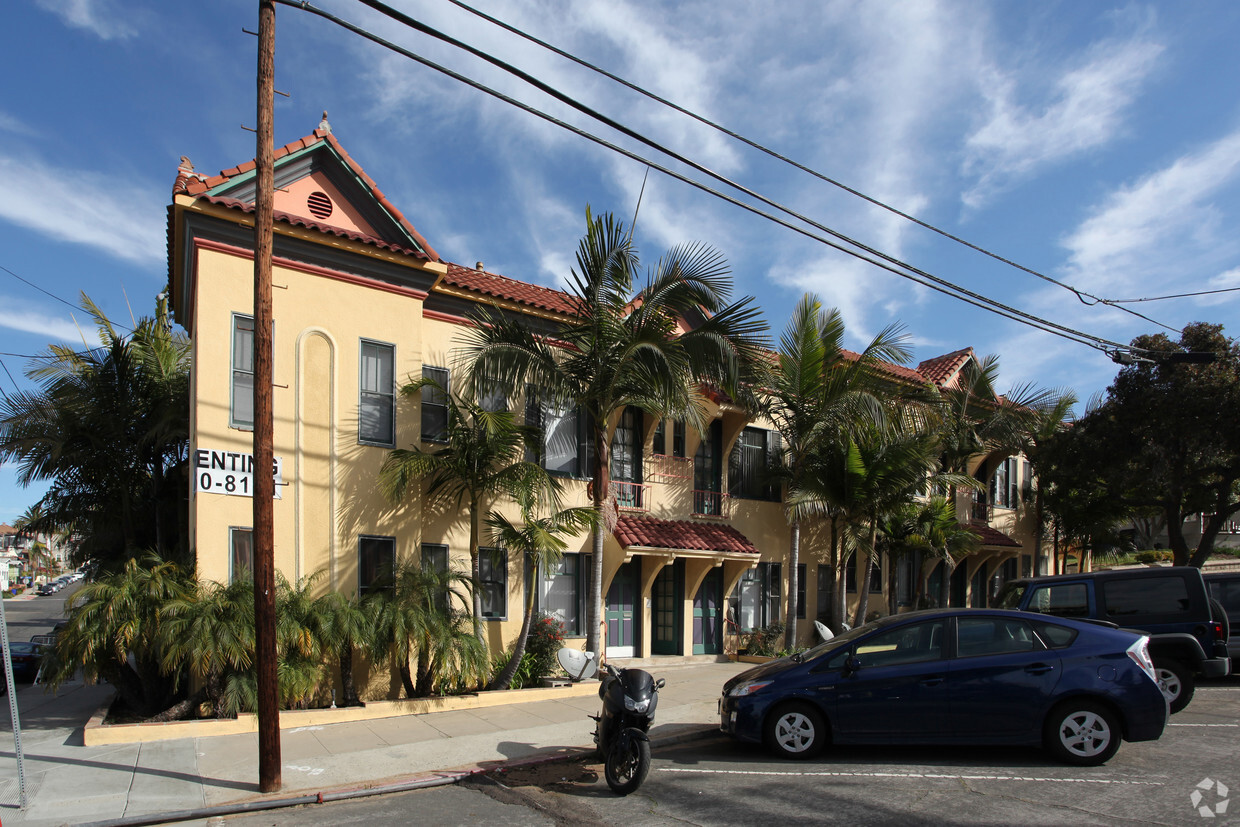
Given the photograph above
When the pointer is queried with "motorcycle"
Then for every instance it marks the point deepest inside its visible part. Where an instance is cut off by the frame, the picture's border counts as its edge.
(621, 733)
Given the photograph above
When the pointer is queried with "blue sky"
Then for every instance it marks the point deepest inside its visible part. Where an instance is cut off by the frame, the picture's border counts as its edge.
(1097, 143)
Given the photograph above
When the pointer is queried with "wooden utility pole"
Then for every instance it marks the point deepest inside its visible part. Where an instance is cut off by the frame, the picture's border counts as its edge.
(264, 479)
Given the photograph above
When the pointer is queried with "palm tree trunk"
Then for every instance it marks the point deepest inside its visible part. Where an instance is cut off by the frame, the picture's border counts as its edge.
(504, 679)
(945, 588)
(602, 467)
(475, 566)
(790, 615)
(863, 587)
(425, 681)
(347, 686)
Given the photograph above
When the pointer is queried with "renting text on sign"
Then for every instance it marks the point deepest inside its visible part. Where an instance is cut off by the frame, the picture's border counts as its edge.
(230, 472)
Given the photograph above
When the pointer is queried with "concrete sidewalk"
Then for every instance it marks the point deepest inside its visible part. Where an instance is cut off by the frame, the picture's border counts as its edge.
(69, 783)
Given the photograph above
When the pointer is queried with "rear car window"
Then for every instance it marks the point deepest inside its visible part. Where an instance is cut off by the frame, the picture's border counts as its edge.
(1054, 635)
(1060, 599)
(1227, 592)
(1160, 597)
(993, 636)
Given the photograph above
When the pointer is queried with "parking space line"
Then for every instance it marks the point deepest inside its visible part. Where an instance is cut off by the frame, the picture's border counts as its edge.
(935, 776)
(1223, 725)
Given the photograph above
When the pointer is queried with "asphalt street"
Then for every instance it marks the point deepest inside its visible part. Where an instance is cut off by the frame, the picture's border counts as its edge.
(719, 782)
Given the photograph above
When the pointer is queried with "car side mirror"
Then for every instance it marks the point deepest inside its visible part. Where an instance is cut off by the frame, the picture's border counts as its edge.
(852, 665)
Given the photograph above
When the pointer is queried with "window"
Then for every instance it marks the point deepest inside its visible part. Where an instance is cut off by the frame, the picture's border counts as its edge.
(240, 553)
(659, 443)
(1003, 484)
(376, 558)
(755, 601)
(917, 643)
(493, 582)
(1026, 482)
(751, 465)
(801, 591)
(376, 407)
(1165, 598)
(993, 636)
(1061, 599)
(241, 414)
(565, 447)
(562, 590)
(824, 590)
(435, 558)
(850, 577)
(678, 438)
(626, 459)
(435, 405)
(492, 397)
(708, 472)
(1054, 637)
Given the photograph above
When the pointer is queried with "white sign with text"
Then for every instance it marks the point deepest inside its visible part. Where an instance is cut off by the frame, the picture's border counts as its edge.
(230, 473)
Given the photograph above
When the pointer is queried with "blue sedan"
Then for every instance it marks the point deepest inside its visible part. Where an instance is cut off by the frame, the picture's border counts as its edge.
(955, 676)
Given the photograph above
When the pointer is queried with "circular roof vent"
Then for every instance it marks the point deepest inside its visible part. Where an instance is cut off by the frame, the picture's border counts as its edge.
(319, 204)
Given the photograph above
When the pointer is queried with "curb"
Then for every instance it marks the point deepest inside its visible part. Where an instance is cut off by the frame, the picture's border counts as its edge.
(691, 732)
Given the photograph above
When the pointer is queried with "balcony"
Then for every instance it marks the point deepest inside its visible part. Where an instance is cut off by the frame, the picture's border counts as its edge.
(630, 496)
(667, 468)
(712, 504)
(980, 512)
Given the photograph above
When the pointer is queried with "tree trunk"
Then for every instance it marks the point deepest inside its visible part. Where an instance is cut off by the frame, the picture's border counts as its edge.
(945, 588)
(475, 566)
(180, 711)
(348, 688)
(863, 587)
(504, 679)
(406, 681)
(425, 682)
(602, 468)
(790, 615)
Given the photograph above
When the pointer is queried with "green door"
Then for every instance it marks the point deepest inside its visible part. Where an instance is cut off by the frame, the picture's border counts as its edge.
(667, 602)
(622, 613)
(708, 615)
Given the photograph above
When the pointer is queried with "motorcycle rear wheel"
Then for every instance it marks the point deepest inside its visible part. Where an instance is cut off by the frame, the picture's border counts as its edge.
(627, 767)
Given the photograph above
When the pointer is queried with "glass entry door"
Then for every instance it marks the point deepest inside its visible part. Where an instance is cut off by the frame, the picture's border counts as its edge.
(667, 600)
(708, 615)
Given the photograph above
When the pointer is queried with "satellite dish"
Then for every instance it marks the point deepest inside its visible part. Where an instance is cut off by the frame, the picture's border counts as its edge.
(823, 631)
(578, 664)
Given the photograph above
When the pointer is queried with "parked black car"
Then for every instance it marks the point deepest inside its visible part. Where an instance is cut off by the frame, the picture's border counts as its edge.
(955, 676)
(1188, 632)
(1225, 588)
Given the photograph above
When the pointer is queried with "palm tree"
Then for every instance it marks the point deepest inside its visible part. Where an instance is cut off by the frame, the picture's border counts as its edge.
(1038, 429)
(108, 429)
(541, 543)
(118, 616)
(344, 627)
(974, 420)
(653, 348)
(819, 393)
(210, 633)
(418, 616)
(482, 459)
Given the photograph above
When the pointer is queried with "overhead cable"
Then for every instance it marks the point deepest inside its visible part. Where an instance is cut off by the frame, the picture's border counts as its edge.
(914, 274)
(1081, 295)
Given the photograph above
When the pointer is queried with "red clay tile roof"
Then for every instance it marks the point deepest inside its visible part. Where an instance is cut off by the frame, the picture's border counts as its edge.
(190, 183)
(940, 368)
(992, 536)
(651, 532)
(502, 287)
(898, 371)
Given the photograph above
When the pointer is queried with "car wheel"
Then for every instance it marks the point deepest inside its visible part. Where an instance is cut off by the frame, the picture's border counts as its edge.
(1082, 732)
(1176, 682)
(796, 730)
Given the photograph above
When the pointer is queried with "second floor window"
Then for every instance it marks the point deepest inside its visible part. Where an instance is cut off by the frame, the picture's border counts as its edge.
(751, 465)
(565, 446)
(435, 405)
(626, 447)
(376, 561)
(241, 414)
(376, 408)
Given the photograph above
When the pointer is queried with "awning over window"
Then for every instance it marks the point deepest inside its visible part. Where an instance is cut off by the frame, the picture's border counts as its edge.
(683, 536)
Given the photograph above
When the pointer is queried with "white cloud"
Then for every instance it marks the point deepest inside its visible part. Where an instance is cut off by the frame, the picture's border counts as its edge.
(84, 208)
(15, 126)
(1161, 231)
(100, 17)
(1084, 109)
(22, 317)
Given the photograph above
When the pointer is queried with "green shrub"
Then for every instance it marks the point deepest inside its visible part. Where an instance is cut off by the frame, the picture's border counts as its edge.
(1151, 557)
(766, 641)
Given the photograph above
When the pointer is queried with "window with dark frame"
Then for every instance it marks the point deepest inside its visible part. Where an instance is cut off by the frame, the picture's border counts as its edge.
(241, 413)
(754, 602)
(435, 558)
(562, 591)
(435, 405)
(565, 447)
(376, 407)
(240, 553)
(376, 561)
(751, 464)
(678, 438)
(493, 582)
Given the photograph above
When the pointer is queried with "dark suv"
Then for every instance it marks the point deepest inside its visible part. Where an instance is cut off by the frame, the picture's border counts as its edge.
(1188, 631)
(1225, 588)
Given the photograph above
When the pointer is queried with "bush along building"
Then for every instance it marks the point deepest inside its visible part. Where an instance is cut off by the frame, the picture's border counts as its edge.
(697, 538)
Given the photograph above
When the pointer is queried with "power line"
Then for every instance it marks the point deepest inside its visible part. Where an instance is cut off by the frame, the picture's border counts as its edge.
(960, 292)
(1081, 295)
(1176, 296)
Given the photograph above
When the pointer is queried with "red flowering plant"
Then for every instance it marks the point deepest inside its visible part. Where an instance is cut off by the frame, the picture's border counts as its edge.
(546, 638)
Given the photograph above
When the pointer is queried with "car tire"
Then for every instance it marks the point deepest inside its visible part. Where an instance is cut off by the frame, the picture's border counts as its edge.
(1176, 682)
(1082, 732)
(796, 730)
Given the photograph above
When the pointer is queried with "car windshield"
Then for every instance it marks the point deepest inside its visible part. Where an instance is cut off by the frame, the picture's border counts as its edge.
(1010, 597)
(834, 643)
